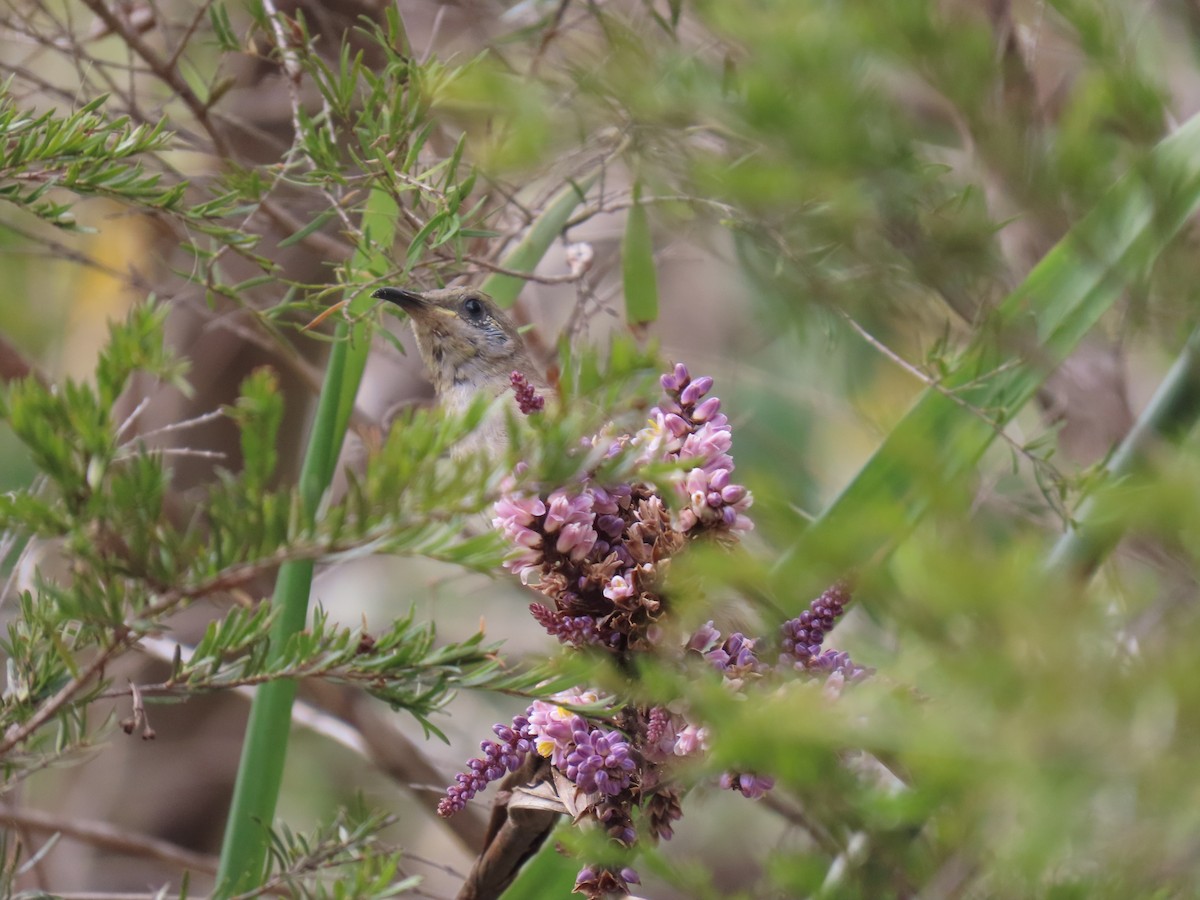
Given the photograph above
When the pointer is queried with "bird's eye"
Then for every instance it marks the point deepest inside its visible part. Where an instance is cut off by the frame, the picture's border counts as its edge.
(472, 308)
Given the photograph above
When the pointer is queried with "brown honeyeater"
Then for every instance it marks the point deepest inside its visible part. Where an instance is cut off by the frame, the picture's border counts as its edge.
(469, 347)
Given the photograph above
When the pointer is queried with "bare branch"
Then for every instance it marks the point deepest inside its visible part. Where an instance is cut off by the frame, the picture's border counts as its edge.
(169, 75)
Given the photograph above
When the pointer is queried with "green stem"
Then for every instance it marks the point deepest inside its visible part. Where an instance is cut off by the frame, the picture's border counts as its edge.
(260, 771)
(1171, 413)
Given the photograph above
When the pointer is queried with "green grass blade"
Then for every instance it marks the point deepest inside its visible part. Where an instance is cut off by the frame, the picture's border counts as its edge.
(1033, 330)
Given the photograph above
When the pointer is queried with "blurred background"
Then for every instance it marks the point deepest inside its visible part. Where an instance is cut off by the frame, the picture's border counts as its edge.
(838, 193)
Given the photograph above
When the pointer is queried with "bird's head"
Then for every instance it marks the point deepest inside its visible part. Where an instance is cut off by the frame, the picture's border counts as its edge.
(467, 343)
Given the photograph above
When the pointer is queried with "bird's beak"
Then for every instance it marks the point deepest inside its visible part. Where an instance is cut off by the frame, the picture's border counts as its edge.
(409, 301)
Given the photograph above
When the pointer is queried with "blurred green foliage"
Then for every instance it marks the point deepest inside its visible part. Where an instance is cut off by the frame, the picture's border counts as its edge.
(974, 192)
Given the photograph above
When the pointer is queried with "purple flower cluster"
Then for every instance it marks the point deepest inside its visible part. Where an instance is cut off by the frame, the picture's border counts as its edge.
(600, 762)
(691, 430)
(598, 554)
(498, 758)
(595, 552)
(801, 639)
(615, 770)
(803, 635)
(528, 399)
(597, 761)
(736, 658)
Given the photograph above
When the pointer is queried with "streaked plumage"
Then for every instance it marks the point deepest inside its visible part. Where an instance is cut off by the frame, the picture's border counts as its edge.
(468, 346)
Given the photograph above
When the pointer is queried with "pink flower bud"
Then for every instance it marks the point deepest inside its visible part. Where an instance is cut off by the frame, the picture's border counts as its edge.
(707, 409)
(694, 391)
(677, 425)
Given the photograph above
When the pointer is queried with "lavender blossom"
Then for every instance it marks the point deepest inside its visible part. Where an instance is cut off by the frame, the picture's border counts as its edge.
(516, 517)
(802, 636)
(498, 758)
(746, 784)
(613, 815)
(564, 508)
(837, 665)
(660, 735)
(735, 656)
(690, 429)
(705, 638)
(600, 761)
(593, 552)
(528, 399)
(597, 551)
(554, 727)
(598, 554)
(575, 631)
(691, 739)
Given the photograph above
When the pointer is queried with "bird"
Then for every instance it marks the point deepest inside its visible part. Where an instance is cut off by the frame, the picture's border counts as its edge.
(470, 348)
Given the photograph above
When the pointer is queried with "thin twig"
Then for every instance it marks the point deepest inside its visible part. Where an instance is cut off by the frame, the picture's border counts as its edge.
(139, 716)
(170, 76)
(515, 273)
(552, 31)
(291, 69)
(293, 72)
(187, 452)
(202, 419)
(132, 417)
(201, 12)
(63, 696)
(627, 203)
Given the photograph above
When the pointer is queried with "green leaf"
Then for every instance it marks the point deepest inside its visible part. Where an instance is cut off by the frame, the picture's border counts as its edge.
(322, 217)
(637, 265)
(549, 874)
(218, 17)
(258, 414)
